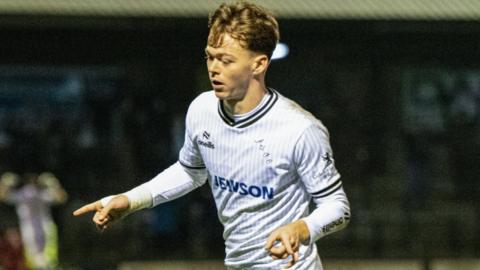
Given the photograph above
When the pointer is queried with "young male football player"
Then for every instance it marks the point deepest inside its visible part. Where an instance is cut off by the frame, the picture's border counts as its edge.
(264, 157)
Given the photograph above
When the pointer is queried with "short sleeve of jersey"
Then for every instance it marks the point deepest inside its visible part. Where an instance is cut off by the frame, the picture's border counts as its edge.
(190, 156)
(314, 162)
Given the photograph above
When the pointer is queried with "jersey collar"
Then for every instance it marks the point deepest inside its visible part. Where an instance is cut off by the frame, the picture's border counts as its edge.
(252, 118)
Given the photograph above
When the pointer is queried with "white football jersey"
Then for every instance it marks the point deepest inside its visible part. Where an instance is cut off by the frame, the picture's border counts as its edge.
(263, 171)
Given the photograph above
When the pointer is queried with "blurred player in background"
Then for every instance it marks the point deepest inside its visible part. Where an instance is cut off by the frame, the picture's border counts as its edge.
(32, 202)
(264, 157)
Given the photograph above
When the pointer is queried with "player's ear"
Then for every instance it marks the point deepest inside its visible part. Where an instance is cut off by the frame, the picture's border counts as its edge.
(260, 64)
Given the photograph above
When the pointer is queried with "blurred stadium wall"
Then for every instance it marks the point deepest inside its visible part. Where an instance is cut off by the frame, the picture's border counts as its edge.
(96, 92)
(365, 264)
(305, 9)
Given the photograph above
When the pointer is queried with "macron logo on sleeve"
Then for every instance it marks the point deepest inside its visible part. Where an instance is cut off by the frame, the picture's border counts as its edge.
(243, 189)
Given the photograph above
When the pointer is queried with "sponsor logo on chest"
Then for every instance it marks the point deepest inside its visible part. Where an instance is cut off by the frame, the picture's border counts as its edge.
(243, 189)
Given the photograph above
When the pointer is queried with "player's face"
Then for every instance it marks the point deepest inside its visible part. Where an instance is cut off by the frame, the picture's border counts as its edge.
(230, 68)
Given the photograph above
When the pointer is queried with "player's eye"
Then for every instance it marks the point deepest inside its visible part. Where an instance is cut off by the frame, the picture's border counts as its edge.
(208, 57)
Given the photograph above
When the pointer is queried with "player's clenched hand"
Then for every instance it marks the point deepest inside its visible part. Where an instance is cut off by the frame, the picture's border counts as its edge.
(285, 241)
(115, 209)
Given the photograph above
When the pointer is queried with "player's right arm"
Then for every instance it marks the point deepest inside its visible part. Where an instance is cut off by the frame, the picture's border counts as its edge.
(182, 177)
(170, 184)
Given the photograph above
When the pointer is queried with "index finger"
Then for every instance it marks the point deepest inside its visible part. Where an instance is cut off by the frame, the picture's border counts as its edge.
(271, 239)
(286, 242)
(91, 207)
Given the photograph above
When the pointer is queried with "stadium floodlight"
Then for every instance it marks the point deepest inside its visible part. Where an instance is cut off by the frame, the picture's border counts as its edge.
(281, 51)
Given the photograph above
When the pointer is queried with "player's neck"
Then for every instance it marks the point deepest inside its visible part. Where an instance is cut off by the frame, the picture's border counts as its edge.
(250, 101)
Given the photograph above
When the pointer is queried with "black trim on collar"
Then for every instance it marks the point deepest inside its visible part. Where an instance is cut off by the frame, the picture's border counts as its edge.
(252, 118)
(226, 118)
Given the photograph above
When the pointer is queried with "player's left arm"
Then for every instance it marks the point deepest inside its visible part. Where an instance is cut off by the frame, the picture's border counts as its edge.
(315, 165)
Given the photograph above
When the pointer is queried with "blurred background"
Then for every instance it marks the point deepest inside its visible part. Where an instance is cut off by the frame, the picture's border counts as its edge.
(96, 92)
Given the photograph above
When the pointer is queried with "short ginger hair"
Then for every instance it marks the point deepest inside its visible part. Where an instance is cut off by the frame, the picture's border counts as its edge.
(254, 27)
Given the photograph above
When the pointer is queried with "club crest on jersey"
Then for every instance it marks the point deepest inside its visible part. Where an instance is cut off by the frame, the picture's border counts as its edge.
(243, 189)
(327, 157)
(328, 169)
(207, 143)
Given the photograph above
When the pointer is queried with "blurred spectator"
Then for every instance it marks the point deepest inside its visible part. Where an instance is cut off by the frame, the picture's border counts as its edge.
(463, 118)
(11, 250)
(442, 110)
(423, 131)
(32, 202)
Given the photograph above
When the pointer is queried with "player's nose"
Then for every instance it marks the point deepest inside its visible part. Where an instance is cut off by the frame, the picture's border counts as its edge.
(214, 67)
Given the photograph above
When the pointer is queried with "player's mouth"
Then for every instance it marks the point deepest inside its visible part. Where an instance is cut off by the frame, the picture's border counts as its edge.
(216, 84)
